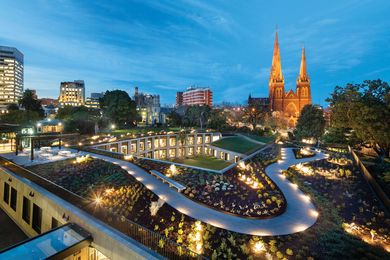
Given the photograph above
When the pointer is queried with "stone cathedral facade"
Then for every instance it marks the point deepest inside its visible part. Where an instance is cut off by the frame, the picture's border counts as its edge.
(282, 104)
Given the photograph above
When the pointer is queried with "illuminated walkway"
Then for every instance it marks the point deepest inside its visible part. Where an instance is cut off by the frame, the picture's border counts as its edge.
(299, 215)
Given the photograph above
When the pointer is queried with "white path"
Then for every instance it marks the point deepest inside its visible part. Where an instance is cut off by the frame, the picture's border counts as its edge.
(299, 215)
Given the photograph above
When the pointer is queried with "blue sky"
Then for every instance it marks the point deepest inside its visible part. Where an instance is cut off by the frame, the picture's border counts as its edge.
(166, 46)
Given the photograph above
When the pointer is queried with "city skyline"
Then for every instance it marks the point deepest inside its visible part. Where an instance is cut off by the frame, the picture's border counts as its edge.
(164, 48)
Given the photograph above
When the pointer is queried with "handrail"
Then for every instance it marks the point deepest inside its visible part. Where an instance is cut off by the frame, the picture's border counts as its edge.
(141, 234)
(371, 180)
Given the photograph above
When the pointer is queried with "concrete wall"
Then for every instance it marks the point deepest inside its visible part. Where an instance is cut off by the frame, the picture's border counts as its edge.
(107, 240)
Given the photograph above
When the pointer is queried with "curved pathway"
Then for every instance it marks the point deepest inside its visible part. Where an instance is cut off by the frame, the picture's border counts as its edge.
(300, 213)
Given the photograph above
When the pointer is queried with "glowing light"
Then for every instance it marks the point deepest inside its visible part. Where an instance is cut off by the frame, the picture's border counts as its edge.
(150, 187)
(259, 247)
(294, 185)
(173, 169)
(80, 144)
(314, 213)
(241, 164)
(113, 126)
(299, 228)
(198, 226)
(98, 200)
(305, 198)
(139, 179)
(129, 157)
(124, 167)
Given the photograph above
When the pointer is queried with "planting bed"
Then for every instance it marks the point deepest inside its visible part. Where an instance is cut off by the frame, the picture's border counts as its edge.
(299, 153)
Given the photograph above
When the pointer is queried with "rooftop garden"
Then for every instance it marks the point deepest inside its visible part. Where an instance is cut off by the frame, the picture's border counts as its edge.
(237, 144)
(351, 222)
(263, 139)
(203, 161)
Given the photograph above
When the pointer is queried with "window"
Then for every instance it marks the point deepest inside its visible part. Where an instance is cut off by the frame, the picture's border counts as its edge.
(54, 223)
(37, 218)
(26, 210)
(6, 193)
(14, 195)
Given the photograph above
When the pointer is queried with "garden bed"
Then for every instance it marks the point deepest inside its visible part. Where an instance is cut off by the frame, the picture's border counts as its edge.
(301, 153)
(349, 213)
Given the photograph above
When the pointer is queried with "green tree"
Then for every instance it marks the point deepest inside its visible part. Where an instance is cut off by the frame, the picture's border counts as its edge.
(119, 108)
(12, 106)
(311, 123)
(254, 116)
(30, 103)
(196, 115)
(217, 120)
(20, 117)
(174, 119)
(79, 119)
(365, 109)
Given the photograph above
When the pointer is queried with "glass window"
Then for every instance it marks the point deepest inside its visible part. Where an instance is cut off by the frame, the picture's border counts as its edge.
(26, 210)
(14, 195)
(6, 193)
(37, 218)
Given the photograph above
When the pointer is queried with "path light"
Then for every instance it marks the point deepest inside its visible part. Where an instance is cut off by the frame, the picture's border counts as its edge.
(305, 198)
(129, 157)
(241, 164)
(98, 200)
(259, 247)
(173, 169)
(294, 185)
(314, 213)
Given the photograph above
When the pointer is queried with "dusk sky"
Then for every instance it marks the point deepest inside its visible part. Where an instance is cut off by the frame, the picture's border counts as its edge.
(166, 46)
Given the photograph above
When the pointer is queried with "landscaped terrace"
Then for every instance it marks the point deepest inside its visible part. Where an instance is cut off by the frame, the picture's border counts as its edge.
(237, 144)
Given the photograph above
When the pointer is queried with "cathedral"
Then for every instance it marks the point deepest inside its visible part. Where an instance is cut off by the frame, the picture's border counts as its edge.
(287, 105)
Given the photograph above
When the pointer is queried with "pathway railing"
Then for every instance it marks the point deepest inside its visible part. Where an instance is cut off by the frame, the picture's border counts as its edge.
(152, 240)
(371, 180)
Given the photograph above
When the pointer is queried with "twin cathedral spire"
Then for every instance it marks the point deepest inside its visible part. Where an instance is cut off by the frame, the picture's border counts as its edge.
(288, 104)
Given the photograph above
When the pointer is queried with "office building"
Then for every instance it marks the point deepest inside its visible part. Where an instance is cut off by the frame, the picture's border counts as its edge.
(93, 100)
(72, 93)
(11, 76)
(195, 96)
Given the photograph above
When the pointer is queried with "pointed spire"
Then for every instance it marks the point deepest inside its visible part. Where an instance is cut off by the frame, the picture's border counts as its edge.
(276, 68)
(303, 77)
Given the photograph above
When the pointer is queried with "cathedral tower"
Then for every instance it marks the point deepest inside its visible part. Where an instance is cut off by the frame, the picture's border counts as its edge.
(276, 80)
(303, 83)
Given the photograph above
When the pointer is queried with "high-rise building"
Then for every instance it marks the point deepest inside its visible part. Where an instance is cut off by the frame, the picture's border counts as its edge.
(195, 96)
(72, 93)
(11, 76)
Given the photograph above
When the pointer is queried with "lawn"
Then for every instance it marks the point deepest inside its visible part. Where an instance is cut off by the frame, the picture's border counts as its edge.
(263, 139)
(237, 144)
(204, 162)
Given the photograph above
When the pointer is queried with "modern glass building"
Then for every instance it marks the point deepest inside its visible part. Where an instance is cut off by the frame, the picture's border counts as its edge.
(11, 76)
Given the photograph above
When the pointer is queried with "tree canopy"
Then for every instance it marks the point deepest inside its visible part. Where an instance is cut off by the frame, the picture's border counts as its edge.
(119, 108)
(30, 103)
(311, 123)
(79, 119)
(365, 109)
